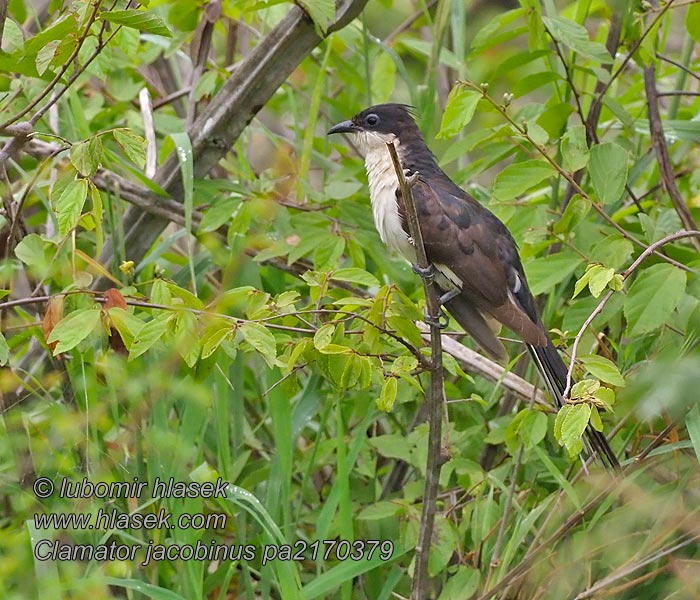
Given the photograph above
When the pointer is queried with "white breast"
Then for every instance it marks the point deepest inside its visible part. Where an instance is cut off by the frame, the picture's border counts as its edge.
(382, 193)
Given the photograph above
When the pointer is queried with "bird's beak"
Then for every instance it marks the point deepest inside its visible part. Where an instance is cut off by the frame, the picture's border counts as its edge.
(344, 127)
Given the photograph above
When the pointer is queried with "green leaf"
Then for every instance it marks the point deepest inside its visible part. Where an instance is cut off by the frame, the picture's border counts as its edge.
(600, 277)
(575, 36)
(380, 510)
(383, 78)
(692, 22)
(149, 334)
(322, 12)
(604, 396)
(45, 55)
(125, 323)
(35, 251)
(326, 255)
(533, 428)
(134, 146)
(12, 37)
(219, 213)
(322, 341)
(574, 149)
(86, 156)
(355, 275)
(519, 177)
(608, 170)
(213, 336)
(445, 542)
(187, 338)
(461, 105)
(392, 446)
(387, 397)
(462, 585)
(570, 424)
(404, 364)
(70, 205)
(73, 329)
(260, 339)
(575, 211)
(143, 20)
(324, 336)
(603, 369)
(545, 272)
(4, 350)
(674, 129)
(613, 251)
(652, 298)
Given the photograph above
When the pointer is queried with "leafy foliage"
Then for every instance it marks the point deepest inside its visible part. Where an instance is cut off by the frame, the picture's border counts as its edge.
(196, 310)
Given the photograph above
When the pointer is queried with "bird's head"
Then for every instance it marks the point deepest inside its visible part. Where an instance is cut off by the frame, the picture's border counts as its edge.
(377, 125)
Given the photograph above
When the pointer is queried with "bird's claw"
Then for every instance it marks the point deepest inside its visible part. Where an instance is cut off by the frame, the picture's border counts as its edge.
(441, 322)
(428, 273)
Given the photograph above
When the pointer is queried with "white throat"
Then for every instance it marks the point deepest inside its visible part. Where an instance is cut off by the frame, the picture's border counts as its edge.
(382, 191)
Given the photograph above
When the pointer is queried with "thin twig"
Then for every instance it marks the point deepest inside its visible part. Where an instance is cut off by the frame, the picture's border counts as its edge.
(601, 305)
(680, 65)
(435, 399)
(656, 442)
(567, 72)
(677, 93)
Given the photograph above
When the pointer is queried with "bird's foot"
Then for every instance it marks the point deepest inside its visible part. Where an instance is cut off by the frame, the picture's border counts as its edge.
(428, 273)
(441, 322)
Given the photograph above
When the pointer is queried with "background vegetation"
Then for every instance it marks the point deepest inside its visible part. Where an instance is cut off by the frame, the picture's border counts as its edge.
(175, 152)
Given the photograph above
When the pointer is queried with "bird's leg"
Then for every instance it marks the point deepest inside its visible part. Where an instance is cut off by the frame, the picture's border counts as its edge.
(447, 296)
(428, 274)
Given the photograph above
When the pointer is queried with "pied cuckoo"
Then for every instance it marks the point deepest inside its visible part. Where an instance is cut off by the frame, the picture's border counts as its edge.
(473, 256)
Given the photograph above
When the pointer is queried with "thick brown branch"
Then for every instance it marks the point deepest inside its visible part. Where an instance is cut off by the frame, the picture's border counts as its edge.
(217, 128)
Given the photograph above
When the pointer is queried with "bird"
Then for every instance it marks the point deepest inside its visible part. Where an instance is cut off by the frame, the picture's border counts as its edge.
(474, 260)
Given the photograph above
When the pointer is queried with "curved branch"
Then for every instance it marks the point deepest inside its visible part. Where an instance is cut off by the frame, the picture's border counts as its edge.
(601, 305)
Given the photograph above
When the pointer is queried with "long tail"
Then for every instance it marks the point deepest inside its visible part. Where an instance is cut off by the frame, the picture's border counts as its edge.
(553, 371)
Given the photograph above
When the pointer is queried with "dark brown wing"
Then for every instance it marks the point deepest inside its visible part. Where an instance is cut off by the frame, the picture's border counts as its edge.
(471, 242)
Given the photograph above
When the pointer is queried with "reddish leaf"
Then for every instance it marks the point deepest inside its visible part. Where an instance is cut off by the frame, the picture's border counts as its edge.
(53, 314)
(114, 299)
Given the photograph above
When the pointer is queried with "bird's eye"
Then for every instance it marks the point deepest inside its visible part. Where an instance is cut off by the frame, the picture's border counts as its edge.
(372, 120)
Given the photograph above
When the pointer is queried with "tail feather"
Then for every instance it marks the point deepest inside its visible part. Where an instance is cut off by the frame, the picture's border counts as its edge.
(554, 372)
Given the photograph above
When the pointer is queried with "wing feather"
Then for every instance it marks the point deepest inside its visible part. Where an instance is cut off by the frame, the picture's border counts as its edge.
(470, 240)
